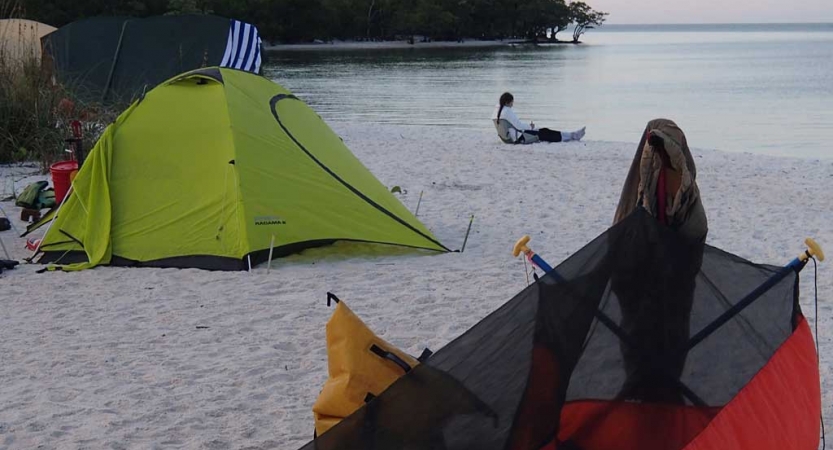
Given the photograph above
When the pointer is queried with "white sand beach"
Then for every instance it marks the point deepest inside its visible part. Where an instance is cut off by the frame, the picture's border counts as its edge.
(123, 358)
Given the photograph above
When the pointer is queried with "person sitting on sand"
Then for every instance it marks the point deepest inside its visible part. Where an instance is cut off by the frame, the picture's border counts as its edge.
(512, 131)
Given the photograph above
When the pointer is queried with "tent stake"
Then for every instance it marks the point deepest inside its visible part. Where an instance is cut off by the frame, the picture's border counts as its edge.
(249, 257)
(467, 234)
(271, 247)
(416, 213)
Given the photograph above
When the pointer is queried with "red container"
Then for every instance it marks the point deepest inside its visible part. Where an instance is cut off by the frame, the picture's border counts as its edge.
(62, 175)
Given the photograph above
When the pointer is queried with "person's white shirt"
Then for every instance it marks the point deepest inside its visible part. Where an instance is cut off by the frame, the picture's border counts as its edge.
(509, 114)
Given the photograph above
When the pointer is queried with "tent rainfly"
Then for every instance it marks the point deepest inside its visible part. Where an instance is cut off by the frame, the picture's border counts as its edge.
(115, 59)
(211, 166)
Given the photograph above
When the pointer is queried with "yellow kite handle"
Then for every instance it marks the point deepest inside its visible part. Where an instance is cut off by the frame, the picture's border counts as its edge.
(520, 246)
(813, 249)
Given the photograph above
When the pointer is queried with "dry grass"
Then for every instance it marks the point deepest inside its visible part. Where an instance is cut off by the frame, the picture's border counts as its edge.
(35, 112)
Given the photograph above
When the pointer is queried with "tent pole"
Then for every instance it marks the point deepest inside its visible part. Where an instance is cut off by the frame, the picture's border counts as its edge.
(794, 266)
(52, 222)
(4, 249)
(468, 230)
(419, 202)
(271, 247)
(813, 251)
(249, 258)
(115, 60)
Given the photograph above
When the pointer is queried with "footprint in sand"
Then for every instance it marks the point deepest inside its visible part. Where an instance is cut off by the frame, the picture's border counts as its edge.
(62, 395)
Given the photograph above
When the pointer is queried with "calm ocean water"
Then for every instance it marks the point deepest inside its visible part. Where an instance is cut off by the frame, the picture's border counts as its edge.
(757, 88)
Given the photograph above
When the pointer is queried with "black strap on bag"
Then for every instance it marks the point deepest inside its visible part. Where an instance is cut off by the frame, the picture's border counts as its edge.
(380, 352)
(332, 298)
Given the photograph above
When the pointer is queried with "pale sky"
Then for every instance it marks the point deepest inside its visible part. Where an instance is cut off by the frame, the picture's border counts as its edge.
(714, 11)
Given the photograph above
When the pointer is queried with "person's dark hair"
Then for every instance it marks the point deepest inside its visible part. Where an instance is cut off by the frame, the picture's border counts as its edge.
(505, 99)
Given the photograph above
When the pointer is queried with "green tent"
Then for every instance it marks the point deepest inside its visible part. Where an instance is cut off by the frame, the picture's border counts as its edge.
(210, 166)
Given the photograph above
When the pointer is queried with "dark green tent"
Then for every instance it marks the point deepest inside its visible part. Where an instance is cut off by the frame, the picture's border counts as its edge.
(115, 59)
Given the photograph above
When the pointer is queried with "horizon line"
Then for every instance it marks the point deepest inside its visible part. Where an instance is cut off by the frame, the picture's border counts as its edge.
(719, 23)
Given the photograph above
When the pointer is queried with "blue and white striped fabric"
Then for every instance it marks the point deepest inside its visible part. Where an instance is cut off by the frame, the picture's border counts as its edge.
(243, 47)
